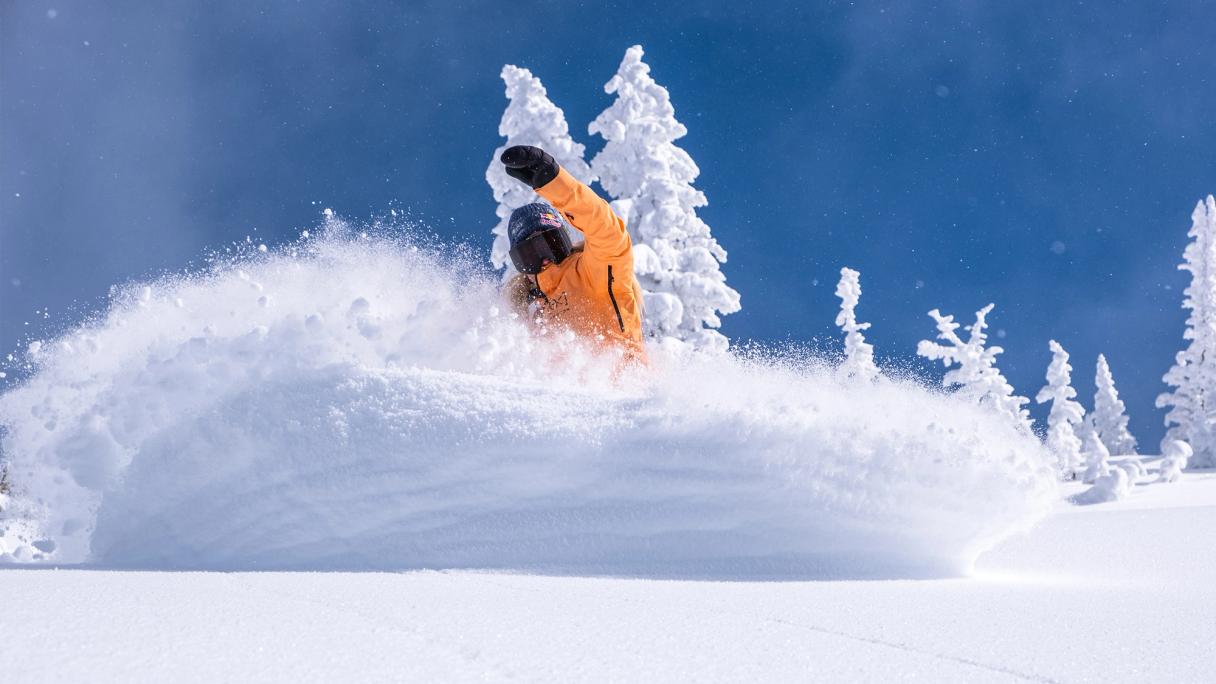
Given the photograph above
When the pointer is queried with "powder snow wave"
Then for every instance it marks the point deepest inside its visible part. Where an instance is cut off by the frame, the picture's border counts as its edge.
(358, 402)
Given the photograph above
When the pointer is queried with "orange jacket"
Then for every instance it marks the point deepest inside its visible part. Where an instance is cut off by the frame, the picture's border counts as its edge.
(593, 291)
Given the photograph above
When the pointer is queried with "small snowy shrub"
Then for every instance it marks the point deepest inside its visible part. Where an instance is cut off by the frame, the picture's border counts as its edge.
(1110, 415)
(1062, 439)
(1110, 487)
(1134, 470)
(1097, 458)
(1176, 454)
(858, 354)
(976, 376)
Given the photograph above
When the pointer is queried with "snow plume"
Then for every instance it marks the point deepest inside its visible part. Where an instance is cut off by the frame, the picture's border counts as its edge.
(977, 376)
(1192, 408)
(858, 354)
(1110, 415)
(676, 260)
(1066, 412)
(359, 402)
(530, 119)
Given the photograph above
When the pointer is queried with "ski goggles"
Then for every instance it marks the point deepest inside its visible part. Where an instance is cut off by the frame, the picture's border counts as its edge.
(550, 244)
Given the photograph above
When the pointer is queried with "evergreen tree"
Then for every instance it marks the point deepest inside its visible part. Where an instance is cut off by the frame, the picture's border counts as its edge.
(858, 354)
(1062, 440)
(1192, 403)
(676, 259)
(977, 376)
(530, 119)
(1110, 416)
(1097, 459)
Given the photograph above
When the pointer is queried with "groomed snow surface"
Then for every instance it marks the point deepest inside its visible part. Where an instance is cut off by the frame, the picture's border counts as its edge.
(355, 403)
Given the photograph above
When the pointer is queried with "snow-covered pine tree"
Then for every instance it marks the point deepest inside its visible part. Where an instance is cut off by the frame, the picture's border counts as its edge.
(1192, 403)
(676, 259)
(1062, 440)
(977, 375)
(530, 119)
(1110, 415)
(858, 354)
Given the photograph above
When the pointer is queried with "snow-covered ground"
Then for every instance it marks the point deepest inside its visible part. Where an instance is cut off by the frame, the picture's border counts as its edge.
(1110, 592)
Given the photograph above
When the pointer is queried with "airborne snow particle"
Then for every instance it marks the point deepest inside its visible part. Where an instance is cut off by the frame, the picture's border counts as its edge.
(1058, 247)
(52, 13)
(942, 91)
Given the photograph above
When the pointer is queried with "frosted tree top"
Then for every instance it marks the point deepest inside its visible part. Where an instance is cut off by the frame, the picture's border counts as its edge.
(530, 119)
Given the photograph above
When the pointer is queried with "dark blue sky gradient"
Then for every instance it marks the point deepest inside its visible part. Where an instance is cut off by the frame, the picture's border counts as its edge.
(942, 150)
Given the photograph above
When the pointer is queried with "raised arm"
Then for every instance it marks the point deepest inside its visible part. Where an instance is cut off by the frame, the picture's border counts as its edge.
(607, 239)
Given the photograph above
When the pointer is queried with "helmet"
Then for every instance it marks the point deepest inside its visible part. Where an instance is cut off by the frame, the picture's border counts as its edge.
(537, 233)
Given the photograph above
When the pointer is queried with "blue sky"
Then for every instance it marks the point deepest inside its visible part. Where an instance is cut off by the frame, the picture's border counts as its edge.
(1044, 156)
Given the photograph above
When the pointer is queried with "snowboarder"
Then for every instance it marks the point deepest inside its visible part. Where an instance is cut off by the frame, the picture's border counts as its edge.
(589, 289)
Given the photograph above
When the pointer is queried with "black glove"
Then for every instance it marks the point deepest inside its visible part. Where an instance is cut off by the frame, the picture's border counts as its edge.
(531, 165)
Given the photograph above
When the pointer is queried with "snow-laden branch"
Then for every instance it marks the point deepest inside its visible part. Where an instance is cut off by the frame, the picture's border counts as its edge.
(976, 375)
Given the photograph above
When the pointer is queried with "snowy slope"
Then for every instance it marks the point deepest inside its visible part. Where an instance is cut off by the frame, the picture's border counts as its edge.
(1112, 592)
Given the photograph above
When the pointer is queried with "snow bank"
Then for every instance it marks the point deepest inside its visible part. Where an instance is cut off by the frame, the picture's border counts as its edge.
(356, 402)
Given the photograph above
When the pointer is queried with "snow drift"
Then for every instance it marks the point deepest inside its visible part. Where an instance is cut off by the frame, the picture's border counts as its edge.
(354, 401)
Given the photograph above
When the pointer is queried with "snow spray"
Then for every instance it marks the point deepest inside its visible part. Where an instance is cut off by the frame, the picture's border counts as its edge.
(356, 401)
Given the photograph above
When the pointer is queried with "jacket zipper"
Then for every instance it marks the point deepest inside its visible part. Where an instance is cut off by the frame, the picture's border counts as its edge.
(620, 321)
